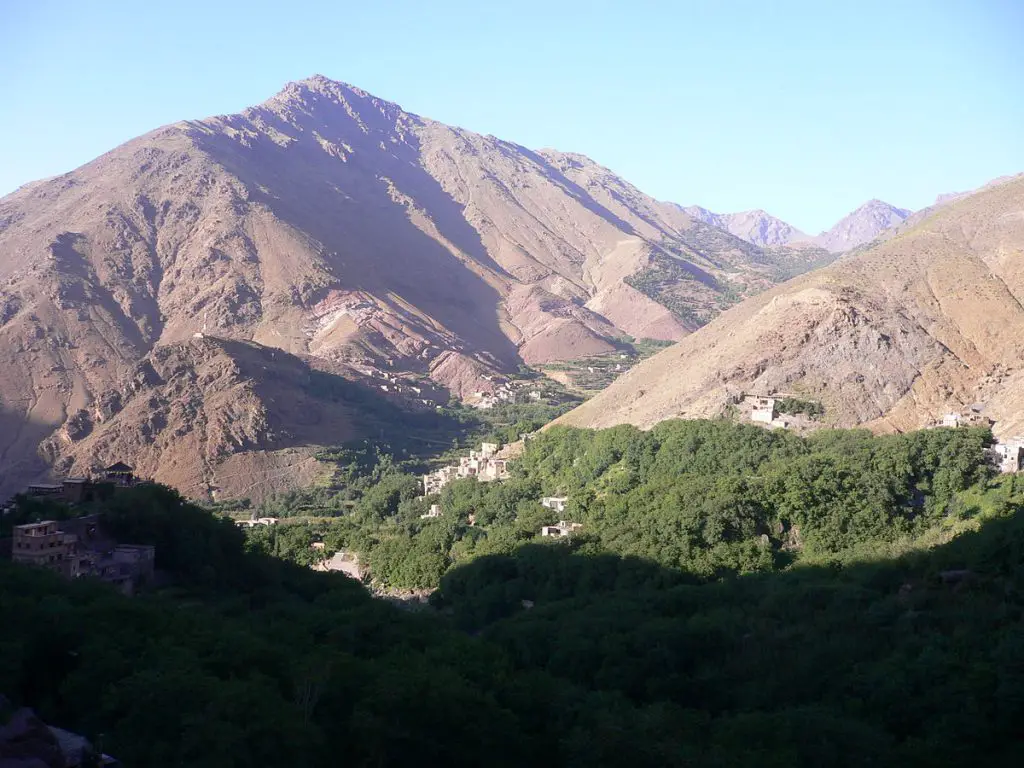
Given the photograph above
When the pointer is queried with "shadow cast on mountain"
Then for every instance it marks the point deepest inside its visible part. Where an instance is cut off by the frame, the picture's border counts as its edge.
(308, 406)
(579, 194)
(20, 460)
(360, 209)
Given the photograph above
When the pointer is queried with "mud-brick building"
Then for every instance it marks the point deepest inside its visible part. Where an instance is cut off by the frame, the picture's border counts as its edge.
(45, 545)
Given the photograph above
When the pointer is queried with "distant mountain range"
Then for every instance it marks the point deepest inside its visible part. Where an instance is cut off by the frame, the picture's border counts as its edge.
(852, 231)
(927, 321)
(755, 227)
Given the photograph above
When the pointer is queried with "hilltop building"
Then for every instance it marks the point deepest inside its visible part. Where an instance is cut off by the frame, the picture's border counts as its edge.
(970, 418)
(763, 409)
(44, 545)
(435, 511)
(434, 482)
(966, 420)
(120, 473)
(73, 490)
(78, 490)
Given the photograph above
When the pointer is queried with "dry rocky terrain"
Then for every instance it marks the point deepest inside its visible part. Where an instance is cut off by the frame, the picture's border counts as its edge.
(335, 227)
(926, 322)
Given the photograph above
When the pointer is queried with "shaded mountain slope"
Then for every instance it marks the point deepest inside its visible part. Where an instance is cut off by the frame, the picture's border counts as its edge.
(893, 337)
(214, 418)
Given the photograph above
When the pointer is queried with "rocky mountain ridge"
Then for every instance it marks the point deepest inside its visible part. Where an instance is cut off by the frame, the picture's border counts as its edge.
(857, 228)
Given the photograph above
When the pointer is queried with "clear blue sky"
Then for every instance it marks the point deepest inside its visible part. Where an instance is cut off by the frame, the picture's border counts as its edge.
(805, 109)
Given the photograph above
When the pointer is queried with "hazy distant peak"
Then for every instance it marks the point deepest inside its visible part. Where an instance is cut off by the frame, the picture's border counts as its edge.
(755, 226)
(882, 207)
(861, 226)
(949, 197)
(892, 360)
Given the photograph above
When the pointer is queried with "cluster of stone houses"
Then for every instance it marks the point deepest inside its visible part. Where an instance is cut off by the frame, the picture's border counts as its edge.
(393, 384)
(77, 547)
(1010, 455)
(76, 490)
(484, 465)
(505, 392)
(973, 418)
(564, 528)
(1007, 455)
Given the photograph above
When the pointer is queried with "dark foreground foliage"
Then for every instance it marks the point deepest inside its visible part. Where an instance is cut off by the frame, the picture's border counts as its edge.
(553, 655)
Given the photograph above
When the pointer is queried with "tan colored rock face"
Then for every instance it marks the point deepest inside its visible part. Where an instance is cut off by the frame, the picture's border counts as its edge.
(929, 321)
(330, 224)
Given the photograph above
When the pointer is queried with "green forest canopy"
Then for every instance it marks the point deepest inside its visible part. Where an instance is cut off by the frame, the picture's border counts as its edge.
(703, 497)
(848, 656)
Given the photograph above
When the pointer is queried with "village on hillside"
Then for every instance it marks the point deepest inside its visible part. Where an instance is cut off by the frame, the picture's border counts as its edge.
(483, 465)
(78, 547)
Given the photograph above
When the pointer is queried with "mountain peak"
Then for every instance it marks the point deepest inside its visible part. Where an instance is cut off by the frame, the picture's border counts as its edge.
(861, 225)
(875, 204)
(317, 86)
(331, 225)
(755, 226)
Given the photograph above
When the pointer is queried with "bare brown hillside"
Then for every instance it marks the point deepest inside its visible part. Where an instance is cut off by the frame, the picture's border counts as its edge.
(214, 418)
(332, 225)
(929, 321)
